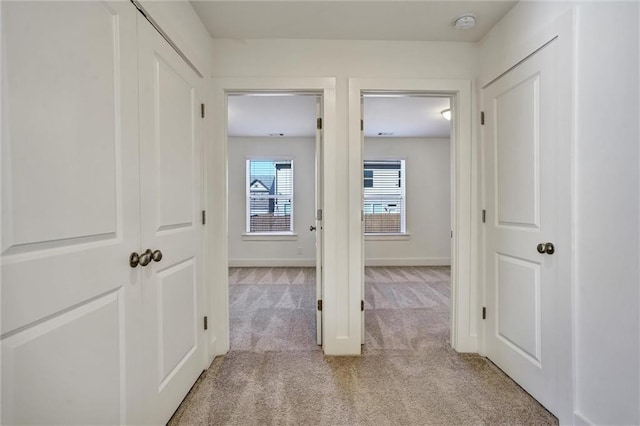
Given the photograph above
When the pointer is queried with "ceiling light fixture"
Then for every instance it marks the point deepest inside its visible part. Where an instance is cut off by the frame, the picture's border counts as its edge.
(446, 113)
(465, 22)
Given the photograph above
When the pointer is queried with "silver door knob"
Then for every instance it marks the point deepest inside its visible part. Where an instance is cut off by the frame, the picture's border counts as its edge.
(134, 259)
(547, 248)
(156, 255)
(312, 228)
(146, 258)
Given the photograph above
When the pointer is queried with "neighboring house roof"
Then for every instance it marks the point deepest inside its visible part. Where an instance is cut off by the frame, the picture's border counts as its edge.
(258, 185)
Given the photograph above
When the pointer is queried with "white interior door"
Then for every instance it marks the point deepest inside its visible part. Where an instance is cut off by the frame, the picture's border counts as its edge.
(362, 241)
(318, 225)
(521, 141)
(69, 209)
(170, 345)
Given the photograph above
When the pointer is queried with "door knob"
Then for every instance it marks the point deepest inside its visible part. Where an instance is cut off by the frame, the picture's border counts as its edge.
(156, 255)
(548, 248)
(146, 257)
(312, 228)
(134, 259)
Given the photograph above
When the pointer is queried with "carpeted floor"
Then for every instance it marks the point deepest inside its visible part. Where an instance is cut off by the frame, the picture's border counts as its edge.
(407, 375)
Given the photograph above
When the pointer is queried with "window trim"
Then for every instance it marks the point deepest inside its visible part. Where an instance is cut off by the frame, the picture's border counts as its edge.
(247, 234)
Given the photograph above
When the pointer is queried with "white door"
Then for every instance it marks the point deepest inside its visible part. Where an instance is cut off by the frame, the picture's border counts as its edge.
(170, 343)
(362, 239)
(520, 141)
(318, 224)
(69, 209)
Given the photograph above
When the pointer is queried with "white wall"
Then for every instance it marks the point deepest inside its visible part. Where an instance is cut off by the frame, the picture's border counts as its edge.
(342, 59)
(605, 370)
(272, 251)
(607, 233)
(428, 193)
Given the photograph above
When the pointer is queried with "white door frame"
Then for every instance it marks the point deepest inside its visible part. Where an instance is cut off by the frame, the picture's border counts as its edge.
(216, 196)
(464, 295)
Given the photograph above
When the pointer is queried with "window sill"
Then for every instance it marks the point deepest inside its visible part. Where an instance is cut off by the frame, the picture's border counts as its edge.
(270, 236)
(387, 237)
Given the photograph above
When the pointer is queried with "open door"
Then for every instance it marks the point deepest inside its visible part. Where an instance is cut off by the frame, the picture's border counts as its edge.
(362, 275)
(318, 222)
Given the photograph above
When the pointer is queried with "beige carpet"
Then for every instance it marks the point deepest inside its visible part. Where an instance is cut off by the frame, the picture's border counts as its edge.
(407, 375)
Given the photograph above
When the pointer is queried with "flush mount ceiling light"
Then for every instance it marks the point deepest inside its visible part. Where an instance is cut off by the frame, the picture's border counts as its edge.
(465, 22)
(446, 113)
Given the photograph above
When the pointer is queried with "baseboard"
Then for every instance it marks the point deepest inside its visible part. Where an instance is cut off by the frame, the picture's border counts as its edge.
(409, 261)
(271, 263)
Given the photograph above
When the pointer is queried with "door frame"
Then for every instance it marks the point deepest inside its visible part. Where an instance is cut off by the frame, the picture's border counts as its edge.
(465, 217)
(216, 152)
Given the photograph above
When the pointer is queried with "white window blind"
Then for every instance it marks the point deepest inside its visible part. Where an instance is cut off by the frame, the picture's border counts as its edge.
(384, 197)
(269, 196)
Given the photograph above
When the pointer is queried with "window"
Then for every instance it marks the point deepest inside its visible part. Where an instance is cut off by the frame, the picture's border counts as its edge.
(384, 197)
(269, 196)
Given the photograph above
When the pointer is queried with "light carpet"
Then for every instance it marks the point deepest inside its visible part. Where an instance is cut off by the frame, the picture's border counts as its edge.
(407, 375)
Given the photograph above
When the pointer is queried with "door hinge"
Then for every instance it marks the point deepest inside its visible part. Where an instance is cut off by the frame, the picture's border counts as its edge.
(319, 214)
(319, 123)
(362, 305)
(319, 305)
(482, 117)
(484, 216)
(206, 323)
(361, 215)
(202, 110)
(484, 313)
(361, 125)
(204, 217)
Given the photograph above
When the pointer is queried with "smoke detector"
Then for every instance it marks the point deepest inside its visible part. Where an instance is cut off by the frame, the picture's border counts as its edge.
(465, 22)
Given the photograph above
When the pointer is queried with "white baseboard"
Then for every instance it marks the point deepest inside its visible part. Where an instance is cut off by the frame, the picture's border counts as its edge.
(271, 263)
(409, 261)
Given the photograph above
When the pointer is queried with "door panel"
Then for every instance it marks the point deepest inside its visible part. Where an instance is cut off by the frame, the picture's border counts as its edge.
(518, 296)
(69, 208)
(177, 292)
(172, 339)
(174, 145)
(517, 148)
(520, 148)
(52, 376)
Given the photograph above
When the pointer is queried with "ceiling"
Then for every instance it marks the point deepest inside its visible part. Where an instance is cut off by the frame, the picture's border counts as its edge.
(347, 19)
(295, 116)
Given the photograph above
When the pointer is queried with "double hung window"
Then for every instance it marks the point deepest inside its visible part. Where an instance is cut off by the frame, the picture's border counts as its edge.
(269, 196)
(384, 197)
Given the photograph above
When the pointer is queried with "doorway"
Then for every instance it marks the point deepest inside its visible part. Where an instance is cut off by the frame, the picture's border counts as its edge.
(406, 192)
(274, 146)
(464, 309)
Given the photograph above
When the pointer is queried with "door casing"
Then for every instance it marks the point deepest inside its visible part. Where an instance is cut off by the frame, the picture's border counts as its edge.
(464, 295)
(216, 170)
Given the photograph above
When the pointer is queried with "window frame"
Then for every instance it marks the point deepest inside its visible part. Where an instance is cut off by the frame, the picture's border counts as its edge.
(248, 196)
(403, 197)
